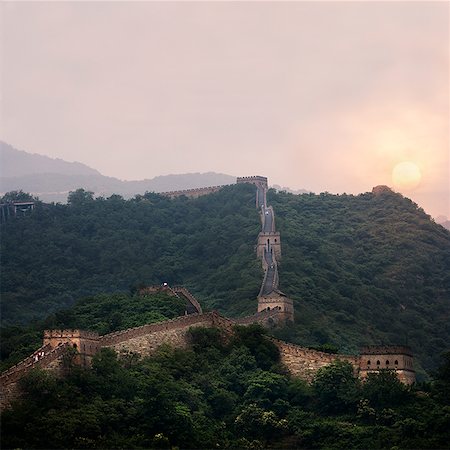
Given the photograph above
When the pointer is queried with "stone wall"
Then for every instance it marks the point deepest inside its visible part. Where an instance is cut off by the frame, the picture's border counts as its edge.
(273, 240)
(182, 292)
(52, 360)
(304, 362)
(145, 340)
(279, 302)
(193, 193)
(399, 358)
(256, 180)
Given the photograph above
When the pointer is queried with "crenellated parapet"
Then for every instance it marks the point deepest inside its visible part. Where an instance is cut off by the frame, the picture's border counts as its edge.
(86, 343)
(374, 358)
(193, 193)
(270, 241)
(256, 180)
(145, 340)
(192, 304)
(277, 301)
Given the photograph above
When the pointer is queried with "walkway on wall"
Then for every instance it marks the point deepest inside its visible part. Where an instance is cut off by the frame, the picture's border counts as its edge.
(270, 281)
(270, 275)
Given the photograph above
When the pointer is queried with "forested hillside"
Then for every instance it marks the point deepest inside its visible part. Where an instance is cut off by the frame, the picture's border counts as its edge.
(223, 394)
(63, 252)
(364, 269)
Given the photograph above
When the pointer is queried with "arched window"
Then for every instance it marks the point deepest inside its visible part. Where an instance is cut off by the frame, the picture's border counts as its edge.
(387, 362)
(74, 345)
(378, 363)
(396, 362)
(368, 362)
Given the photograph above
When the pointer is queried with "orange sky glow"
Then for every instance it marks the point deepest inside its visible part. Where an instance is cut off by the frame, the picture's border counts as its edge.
(325, 96)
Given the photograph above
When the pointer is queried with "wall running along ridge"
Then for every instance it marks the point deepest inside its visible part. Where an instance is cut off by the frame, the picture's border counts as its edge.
(273, 307)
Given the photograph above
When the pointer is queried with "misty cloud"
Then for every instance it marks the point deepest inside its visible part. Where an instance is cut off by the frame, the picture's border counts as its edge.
(299, 92)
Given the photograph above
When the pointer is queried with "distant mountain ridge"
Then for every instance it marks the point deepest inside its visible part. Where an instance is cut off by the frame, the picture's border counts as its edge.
(18, 163)
(52, 179)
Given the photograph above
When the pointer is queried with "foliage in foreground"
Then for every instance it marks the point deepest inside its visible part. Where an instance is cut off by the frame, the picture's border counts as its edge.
(223, 394)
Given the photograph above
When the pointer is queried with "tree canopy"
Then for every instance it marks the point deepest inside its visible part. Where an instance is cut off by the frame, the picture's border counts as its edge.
(365, 269)
(220, 394)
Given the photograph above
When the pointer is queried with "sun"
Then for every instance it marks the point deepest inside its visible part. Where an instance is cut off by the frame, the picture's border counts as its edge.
(406, 175)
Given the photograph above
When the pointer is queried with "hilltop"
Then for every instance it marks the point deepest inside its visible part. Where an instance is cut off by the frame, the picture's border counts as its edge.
(52, 179)
(364, 269)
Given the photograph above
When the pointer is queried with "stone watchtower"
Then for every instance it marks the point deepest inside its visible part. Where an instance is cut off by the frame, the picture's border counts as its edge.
(261, 185)
(373, 358)
(86, 343)
(269, 241)
(277, 301)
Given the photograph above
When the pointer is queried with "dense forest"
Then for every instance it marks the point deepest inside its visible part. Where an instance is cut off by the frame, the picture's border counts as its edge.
(103, 313)
(226, 392)
(364, 269)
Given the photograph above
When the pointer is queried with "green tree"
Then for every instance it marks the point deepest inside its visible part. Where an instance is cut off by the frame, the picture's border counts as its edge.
(383, 389)
(336, 388)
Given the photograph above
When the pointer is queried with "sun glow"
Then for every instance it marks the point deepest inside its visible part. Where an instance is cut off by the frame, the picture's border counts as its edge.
(406, 175)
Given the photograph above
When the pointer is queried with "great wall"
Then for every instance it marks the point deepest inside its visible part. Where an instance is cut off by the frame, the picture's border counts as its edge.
(273, 308)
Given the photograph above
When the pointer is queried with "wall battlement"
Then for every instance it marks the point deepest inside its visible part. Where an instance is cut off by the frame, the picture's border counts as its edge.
(386, 350)
(193, 193)
(257, 180)
(69, 334)
(192, 304)
(273, 307)
(271, 240)
(145, 340)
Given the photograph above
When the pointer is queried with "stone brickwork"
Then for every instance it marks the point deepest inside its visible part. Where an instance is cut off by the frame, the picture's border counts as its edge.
(268, 249)
(277, 301)
(193, 193)
(146, 339)
(398, 358)
(86, 343)
(52, 360)
(257, 180)
(304, 362)
(182, 292)
(269, 240)
(192, 304)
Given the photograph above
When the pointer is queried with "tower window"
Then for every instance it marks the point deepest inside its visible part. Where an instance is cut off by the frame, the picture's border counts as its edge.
(378, 363)
(396, 362)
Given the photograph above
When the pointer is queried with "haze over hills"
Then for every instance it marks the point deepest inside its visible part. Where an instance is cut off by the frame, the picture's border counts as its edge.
(52, 179)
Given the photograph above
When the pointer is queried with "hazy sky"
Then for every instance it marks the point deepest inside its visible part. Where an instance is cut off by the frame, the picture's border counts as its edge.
(327, 96)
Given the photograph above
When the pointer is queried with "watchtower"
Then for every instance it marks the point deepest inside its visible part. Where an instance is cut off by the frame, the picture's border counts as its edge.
(85, 342)
(270, 242)
(256, 180)
(373, 358)
(261, 188)
(277, 301)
